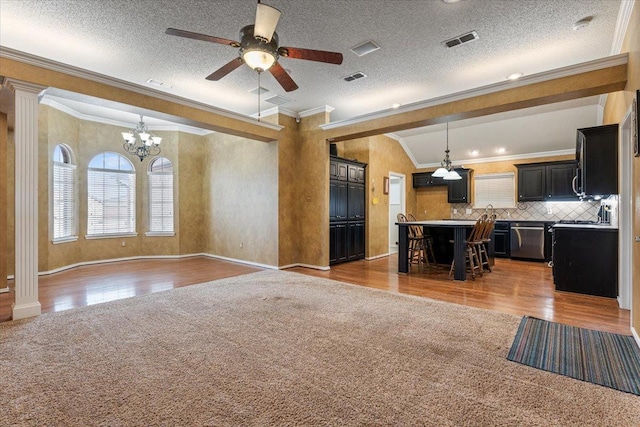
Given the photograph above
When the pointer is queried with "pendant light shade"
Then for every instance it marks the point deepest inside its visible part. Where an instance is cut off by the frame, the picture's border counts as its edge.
(440, 172)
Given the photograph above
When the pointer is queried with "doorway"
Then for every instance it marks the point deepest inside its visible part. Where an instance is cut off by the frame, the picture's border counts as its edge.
(396, 205)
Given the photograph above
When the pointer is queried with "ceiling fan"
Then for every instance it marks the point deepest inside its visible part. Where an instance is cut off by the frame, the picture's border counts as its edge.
(259, 48)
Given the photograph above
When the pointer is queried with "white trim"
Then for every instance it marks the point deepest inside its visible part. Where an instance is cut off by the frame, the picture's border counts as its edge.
(405, 147)
(159, 234)
(175, 127)
(624, 16)
(635, 336)
(598, 64)
(64, 240)
(371, 258)
(23, 311)
(109, 236)
(241, 261)
(625, 212)
(275, 110)
(121, 84)
(315, 267)
(460, 163)
(317, 110)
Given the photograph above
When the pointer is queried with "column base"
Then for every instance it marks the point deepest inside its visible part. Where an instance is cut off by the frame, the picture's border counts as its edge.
(24, 311)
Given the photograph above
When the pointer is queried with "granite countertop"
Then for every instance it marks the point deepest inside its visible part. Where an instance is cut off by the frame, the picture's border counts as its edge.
(589, 226)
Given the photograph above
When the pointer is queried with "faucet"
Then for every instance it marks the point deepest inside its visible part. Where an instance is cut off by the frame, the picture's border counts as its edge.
(489, 210)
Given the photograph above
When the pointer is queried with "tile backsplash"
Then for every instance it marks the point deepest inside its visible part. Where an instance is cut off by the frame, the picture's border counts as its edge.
(536, 211)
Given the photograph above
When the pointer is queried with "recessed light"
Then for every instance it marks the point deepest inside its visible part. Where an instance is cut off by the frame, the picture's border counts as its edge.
(451, 1)
(157, 83)
(514, 76)
(395, 106)
(584, 22)
(501, 150)
(474, 152)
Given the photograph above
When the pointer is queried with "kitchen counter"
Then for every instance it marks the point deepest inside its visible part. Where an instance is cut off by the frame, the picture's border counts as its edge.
(587, 226)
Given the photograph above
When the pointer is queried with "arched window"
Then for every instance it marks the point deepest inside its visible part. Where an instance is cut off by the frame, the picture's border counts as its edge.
(63, 205)
(111, 184)
(160, 197)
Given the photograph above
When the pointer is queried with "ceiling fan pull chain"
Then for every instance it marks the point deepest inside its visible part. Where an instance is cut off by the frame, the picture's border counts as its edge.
(259, 90)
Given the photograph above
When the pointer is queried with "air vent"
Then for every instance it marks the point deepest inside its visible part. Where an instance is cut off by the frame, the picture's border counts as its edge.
(464, 38)
(259, 90)
(278, 100)
(364, 48)
(355, 76)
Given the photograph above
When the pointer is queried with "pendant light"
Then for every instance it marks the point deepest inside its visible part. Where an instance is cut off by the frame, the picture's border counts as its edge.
(446, 171)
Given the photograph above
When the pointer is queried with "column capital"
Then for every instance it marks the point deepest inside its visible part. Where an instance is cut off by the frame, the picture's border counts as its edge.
(13, 84)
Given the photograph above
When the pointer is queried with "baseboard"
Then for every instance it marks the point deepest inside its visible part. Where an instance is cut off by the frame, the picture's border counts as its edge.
(377, 256)
(315, 267)
(635, 336)
(241, 261)
(105, 261)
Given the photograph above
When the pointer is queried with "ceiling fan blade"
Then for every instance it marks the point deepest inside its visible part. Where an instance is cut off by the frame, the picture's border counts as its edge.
(198, 36)
(283, 77)
(266, 21)
(311, 55)
(225, 69)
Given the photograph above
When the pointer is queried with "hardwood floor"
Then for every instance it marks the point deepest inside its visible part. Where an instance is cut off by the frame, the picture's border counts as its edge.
(515, 287)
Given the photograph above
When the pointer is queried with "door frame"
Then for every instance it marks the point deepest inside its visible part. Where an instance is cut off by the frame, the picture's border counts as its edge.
(403, 203)
(625, 214)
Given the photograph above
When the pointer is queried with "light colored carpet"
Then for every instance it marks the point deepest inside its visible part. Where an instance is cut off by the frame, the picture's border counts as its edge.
(280, 348)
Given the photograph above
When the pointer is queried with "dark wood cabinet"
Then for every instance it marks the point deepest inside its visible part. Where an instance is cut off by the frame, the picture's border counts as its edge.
(502, 239)
(597, 155)
(546, 181)
(338, 243)
(346, 210)
(458, 191)
(425, 179)
(585, 260)
(558, 179)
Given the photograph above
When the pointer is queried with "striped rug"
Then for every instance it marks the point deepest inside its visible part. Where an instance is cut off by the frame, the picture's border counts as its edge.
(603, 358)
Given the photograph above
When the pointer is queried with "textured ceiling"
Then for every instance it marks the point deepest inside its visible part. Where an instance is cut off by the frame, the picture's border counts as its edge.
(126, 40)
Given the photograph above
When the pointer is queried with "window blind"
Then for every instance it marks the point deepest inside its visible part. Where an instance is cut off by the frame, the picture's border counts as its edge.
(494, 189)
(111, 202)
(161, 202)
(64, 206)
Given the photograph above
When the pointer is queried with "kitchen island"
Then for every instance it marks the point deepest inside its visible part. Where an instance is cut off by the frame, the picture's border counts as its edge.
(459, 229)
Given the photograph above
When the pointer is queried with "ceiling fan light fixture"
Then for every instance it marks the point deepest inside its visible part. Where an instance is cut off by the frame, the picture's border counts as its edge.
(259, 60)
(266, 21)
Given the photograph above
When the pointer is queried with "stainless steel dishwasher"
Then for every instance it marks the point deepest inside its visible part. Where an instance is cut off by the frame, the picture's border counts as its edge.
(527, 240)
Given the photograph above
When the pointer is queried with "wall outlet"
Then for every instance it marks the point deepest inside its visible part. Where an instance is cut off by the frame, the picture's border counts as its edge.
(241, 245)
(455, 211)
(549, 211)
(468, 211)
(124, 244)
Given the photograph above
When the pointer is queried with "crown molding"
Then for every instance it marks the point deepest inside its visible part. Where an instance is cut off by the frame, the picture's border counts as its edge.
(405, 147)
(175, 127)
(460, 163)
(124, 85)
(317, 110)
(597, 64)
(624, 16)
(276, 110)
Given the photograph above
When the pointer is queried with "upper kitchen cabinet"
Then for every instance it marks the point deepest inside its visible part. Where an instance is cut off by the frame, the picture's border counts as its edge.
(458, 191)
(597, 155)
(549, 181)
(425, 179)
(338, 170)
(531, 182)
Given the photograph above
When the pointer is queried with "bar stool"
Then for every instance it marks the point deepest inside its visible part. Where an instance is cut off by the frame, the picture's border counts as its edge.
(482, 242)
(427, 243)
(416, 243)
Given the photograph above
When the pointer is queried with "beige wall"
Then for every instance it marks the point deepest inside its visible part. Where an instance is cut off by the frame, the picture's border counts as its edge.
(617, 105)
(242, 185)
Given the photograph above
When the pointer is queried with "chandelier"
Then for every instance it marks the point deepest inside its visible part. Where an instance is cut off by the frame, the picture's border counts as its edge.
(446, 171)
(141, 142)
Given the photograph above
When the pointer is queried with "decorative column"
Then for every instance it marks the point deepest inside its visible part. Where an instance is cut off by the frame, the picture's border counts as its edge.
(26, 302)
(3, 201)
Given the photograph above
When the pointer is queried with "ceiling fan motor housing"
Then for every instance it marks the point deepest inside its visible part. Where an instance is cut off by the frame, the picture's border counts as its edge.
(249, 43)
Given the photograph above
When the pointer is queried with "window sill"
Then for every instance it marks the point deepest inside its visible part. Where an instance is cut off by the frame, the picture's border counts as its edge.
(64, 240)
(109, 236)
(159, 234)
